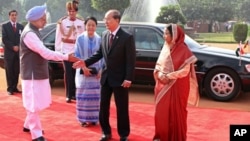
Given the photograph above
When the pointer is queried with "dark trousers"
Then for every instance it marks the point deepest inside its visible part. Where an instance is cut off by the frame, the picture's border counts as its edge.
(12, 70)
(69, 79)
(121, 101)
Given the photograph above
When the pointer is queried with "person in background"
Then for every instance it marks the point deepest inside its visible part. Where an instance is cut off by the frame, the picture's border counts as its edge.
(118, 51)
(176, 85)
(34, 58)
(68, 28)
(88, 88)
(11, 32)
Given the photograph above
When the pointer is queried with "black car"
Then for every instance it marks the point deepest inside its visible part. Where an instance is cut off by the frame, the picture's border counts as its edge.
(220, 73)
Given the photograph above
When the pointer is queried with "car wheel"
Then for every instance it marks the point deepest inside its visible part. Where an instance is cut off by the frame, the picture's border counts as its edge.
(222, 84)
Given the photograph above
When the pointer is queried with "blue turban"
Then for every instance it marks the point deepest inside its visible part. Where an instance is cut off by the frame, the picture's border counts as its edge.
(35, 13)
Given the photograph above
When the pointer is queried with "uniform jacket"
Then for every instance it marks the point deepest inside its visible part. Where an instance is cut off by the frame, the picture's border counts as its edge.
(68, 30)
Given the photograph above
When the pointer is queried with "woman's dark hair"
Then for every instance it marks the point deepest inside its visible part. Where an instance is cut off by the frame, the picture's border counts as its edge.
(90, 18)
(169, 28)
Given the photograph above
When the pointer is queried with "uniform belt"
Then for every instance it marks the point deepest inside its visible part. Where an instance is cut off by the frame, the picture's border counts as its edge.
(70, 41)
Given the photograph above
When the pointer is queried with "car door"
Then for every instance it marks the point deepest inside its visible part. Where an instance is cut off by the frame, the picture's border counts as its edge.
(148, 42)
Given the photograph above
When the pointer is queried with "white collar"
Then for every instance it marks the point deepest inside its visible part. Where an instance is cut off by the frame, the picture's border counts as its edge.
(116, 30)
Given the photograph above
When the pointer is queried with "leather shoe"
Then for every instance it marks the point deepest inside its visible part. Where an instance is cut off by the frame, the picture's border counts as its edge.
(106, 137)
(28, 130)
(17, 91)
(40, 139)
(123, 139)
(68, 100)
(73, 97)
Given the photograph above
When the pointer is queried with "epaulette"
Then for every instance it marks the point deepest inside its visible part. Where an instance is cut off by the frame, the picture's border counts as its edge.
(80, 18)
(60, 20)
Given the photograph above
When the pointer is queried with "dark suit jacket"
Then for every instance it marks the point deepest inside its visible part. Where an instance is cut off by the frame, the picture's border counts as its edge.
(119, 60)
(10, 39)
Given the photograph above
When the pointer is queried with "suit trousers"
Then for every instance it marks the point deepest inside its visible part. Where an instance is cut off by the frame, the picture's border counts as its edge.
(121, 102)
(12, 69)
(69, 79)
(33, 123)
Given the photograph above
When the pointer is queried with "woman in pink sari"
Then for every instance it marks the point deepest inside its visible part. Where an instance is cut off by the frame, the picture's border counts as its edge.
(176, 86)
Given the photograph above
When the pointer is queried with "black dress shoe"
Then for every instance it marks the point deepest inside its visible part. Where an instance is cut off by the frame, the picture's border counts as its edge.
(123, 139)
(40, 139)
(73, 97)
(68, 100)
(28, 130)
(106, 137)
(93, 123)
(17, 91)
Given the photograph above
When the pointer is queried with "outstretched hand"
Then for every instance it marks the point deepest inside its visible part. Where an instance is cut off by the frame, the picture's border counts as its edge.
(79, 64)
(72, 58)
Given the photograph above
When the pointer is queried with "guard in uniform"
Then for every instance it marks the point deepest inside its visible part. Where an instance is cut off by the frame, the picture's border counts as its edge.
(68, 28)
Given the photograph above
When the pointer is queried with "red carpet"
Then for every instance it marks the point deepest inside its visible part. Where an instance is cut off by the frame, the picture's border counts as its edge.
(60, 124)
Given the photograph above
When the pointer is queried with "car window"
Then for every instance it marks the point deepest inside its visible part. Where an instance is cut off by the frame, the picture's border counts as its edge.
(50, 38)
(100, 29)
(148, 39)
(47, 29)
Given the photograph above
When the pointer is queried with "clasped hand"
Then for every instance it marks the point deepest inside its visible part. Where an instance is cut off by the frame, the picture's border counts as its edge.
(81, 64)
(163, 78)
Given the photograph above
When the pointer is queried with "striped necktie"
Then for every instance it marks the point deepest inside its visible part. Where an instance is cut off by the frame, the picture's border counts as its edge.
(111, 38)
(14, 27)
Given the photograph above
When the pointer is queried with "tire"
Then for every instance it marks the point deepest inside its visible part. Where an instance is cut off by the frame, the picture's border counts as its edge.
(222, 84)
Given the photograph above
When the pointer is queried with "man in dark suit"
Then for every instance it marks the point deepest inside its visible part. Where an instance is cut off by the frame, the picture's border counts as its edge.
(117, 74)
(11, 32)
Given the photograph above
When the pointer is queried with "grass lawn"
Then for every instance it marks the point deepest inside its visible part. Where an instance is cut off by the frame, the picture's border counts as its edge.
(225, 37)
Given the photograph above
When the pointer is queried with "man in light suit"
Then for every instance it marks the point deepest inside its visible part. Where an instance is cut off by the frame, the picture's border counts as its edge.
(117, 74)
(11, 32)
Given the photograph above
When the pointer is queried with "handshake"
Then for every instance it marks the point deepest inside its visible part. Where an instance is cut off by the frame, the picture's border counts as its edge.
(73, 59)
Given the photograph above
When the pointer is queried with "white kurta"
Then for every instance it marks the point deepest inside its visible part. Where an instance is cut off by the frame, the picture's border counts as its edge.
(37, 93)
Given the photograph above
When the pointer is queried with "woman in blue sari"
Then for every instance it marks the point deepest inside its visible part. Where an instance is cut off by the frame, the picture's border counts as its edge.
(88, 87)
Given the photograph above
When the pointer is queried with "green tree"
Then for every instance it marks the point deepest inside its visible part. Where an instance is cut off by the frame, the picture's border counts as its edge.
(209, 10)
(85, 9)
(212, 10)
(105, 5)
(31, 3)
(244, 10)
(52, 5)
(240, 32)
(7, 5)
(170, 14)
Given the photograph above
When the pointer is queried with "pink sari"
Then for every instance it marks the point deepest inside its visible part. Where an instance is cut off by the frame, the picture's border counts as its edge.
(172, 97)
